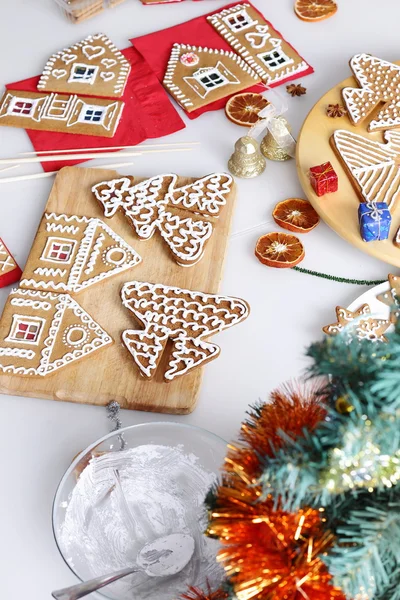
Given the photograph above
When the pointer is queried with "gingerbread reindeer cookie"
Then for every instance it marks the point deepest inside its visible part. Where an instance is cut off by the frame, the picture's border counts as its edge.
(186, 317)
(184, 216)
(380, 83)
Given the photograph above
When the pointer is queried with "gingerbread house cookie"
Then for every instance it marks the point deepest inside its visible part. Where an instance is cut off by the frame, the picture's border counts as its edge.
(197, 76)
(92, 67)
(56, 112)
(358, 323)
(9, 270)
(259, 44)
(186, 317)
(41, 332)
(71, 253)
(379, 81)
(183, 215)
(372, 166)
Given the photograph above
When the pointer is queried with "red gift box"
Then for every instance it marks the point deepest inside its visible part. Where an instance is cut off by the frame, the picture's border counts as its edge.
(9, 270)
(324, 179)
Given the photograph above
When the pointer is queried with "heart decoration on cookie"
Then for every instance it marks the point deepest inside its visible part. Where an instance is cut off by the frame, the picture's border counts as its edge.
(68, 58)
(108, 62)
(92, 52)
(107, 76)
(258, 38)
(59, 73)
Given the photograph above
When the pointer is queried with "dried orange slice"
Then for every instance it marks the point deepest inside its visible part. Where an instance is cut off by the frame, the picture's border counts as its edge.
(243, 109)
(315, 10)
(280, 250)
(295, 214)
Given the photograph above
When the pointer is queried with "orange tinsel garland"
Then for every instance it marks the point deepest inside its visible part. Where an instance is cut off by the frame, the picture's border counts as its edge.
(270, 554)
(197, 594)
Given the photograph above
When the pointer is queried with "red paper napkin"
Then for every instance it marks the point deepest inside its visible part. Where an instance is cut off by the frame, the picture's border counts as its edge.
(156, 49)
(148, 113)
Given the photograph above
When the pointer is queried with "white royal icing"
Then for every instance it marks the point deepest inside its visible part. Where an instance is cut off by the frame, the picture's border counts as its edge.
(52, 333)
(6, 262)
(257, 37)
(75, 272)
(380, 82)
(184, 316)
(147, 209)
(372, 164)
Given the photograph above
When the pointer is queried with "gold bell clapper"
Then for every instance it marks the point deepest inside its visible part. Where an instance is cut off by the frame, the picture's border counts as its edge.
(273, 145)
(247, 160)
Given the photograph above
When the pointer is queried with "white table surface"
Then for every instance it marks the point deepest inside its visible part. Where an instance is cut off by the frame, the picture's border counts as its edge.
(39, 438)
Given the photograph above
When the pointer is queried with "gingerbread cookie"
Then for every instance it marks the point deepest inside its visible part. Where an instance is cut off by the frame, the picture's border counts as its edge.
(261, 46)
(92, 67)
(71, 253)
(56, 112)
(392, 297)
(197, 76)
(185, 317)
(160, 204)
(9, 270)
(358, 323)
(380, 82)
(41, 332)
(372, 166)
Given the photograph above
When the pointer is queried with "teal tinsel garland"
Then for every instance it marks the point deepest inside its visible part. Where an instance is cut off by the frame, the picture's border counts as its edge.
(350, 464)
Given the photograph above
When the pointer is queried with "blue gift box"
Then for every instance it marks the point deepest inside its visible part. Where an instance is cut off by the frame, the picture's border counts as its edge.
(374, 219)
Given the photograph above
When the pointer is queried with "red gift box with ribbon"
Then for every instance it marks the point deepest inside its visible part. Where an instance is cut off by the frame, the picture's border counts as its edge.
(324, 179)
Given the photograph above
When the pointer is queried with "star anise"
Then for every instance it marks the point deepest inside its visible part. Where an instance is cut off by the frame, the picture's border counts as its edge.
(336, 110)
(296, 89)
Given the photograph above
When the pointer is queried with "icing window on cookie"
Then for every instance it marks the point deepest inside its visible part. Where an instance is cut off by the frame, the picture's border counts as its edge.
(75, 335)
(210, 78)
(81, 73)
(22, 107)
(25, 330)
(92, 114)
(240, 20)
(59, 109)
(275, 59)
(58, 250)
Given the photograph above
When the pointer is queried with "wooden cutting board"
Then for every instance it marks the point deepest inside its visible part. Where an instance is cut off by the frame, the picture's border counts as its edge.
(110, 373)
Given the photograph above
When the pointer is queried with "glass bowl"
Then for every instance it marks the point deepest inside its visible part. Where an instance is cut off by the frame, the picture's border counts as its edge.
(119, 495)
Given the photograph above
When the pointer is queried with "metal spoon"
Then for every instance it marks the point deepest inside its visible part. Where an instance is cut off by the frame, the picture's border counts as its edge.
(164, 557)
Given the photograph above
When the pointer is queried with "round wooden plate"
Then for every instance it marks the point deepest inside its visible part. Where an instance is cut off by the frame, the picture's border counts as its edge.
(339, 210)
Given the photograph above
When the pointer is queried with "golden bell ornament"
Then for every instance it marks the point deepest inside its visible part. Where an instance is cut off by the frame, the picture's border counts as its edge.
(269, 145)
(247, 160)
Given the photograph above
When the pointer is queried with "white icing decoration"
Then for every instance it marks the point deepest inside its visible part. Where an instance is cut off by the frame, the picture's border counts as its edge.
(107, 75)
(372, 164)
(184, 316)
(35, 304)
(225, 75)
(92, 52)
(190, 59)
(62, 228)
(147, 209)
(258, 38)
(59, 73)
(7, 263)
(51, 323)
(370, 71)
(92, 47)
(90, 241)
(286, 70)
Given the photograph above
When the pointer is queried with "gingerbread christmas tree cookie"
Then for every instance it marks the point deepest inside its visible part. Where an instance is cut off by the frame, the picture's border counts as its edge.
(71, 253)
(197, 76)
(372, 166)
(186, 317)
(259, 44)
(359, 324)
(9, 270)
(183, 215)
(41, 332)
(92, 67)
(379, 81)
